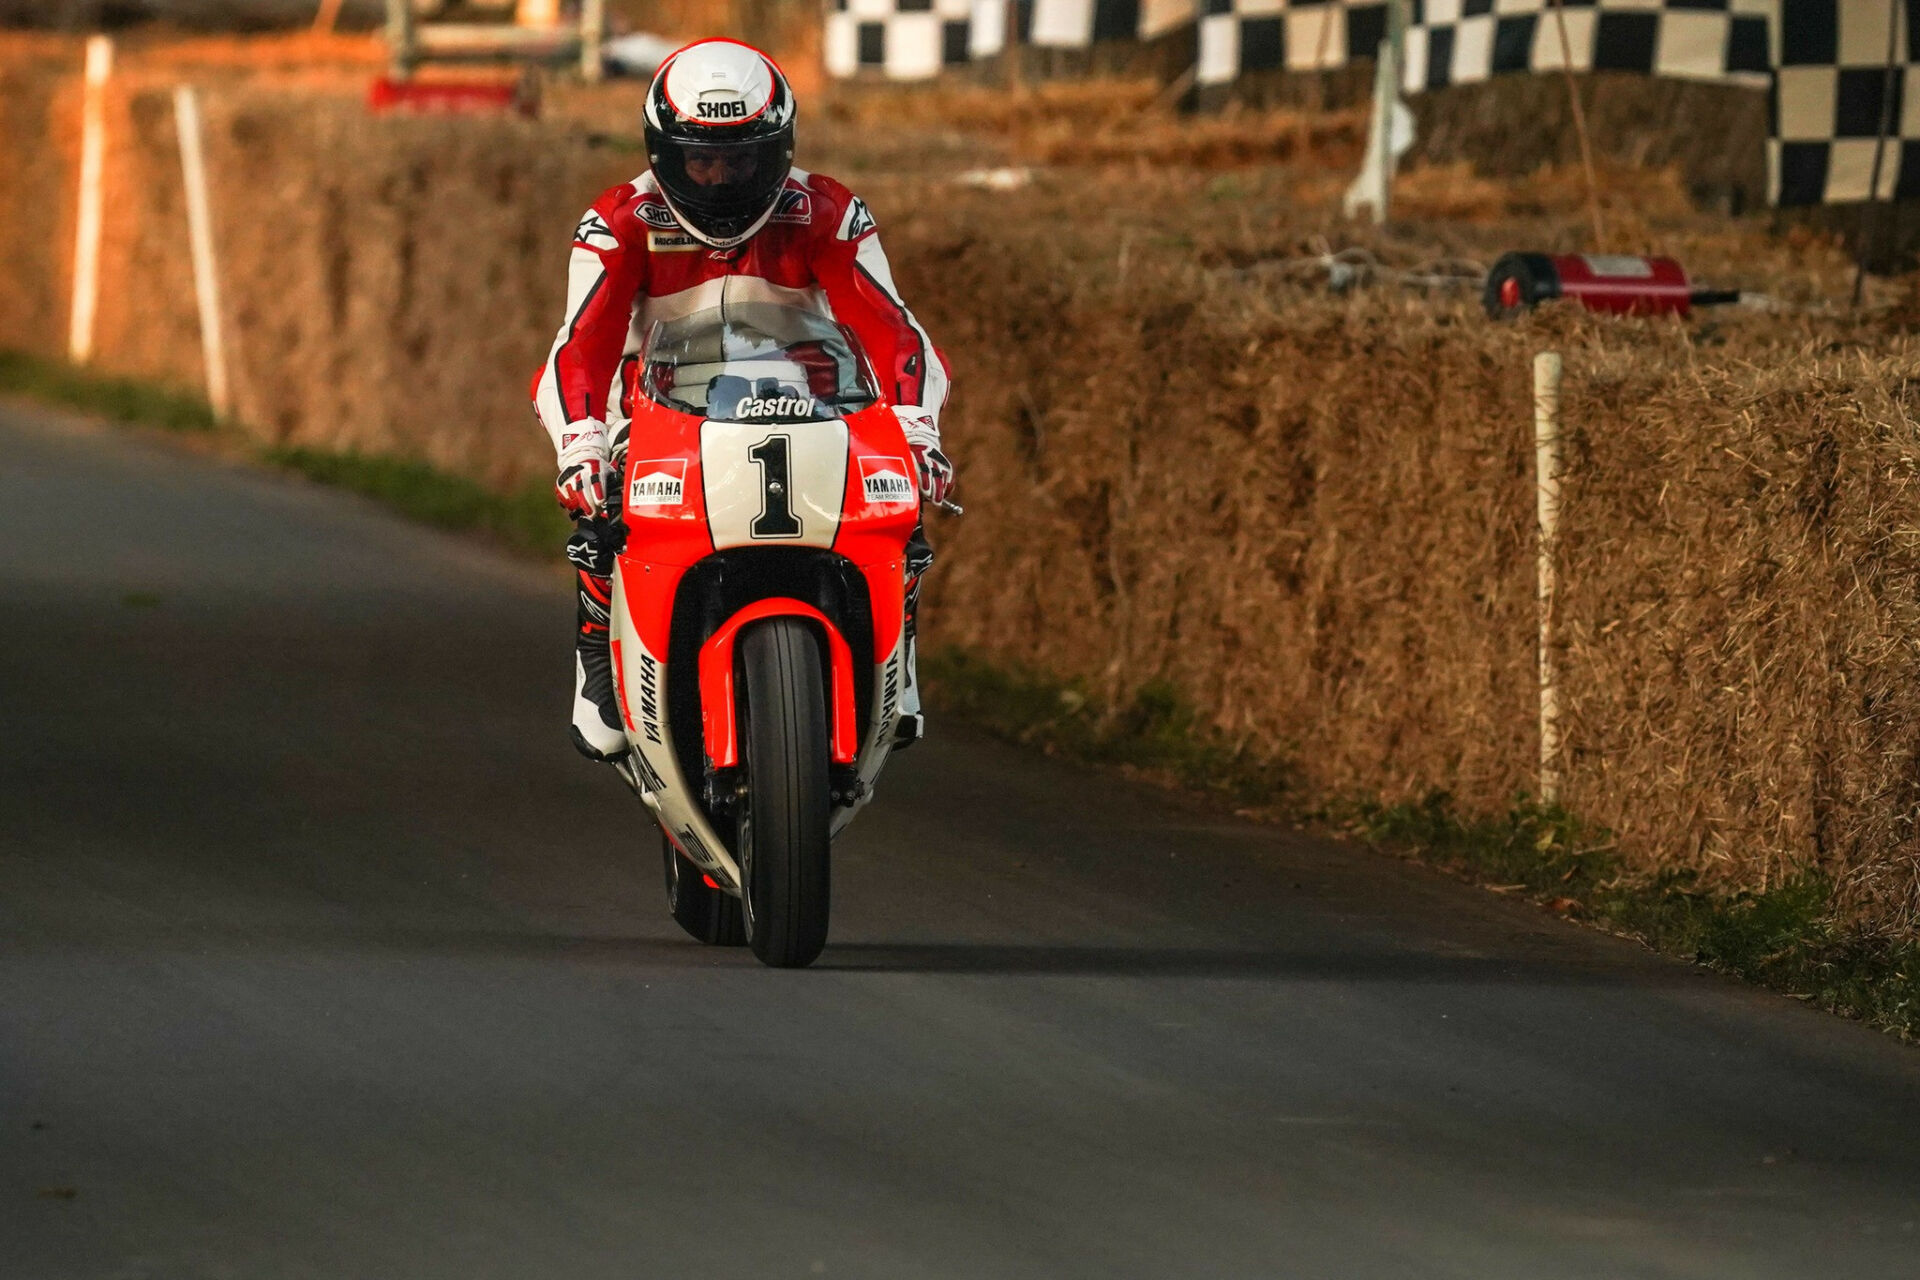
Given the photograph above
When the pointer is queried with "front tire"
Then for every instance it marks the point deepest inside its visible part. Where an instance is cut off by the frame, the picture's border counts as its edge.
(709, 914)
(785, 831)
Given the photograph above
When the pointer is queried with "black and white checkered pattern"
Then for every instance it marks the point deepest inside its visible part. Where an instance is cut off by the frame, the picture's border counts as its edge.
(1238, 36)
(1825, 59)
(1077, 24)
(901, 39)
(1830, 97)
(916, 39)
(1463, 41)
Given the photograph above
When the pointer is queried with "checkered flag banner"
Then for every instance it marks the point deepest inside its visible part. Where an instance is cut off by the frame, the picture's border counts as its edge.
(1076, 24)
(1831, 102)
(902, 39)
(1238, 36)
(916, 39)
(1464, 41)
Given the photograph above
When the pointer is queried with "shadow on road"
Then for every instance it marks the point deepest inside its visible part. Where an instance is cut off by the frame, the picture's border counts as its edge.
(1163, 962)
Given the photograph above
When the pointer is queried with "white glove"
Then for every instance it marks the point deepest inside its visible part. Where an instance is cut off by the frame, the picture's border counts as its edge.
(923, 437)
(586, 470)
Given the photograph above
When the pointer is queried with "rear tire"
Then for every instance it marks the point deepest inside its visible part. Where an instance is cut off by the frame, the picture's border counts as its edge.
(785, 832)
(709, 914)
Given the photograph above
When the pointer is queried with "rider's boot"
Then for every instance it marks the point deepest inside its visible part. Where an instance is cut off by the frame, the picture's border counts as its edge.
(913, 721)
(597, 731)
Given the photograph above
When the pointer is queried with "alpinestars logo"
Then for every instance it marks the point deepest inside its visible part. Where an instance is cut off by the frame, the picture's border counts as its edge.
(859, 220)
(661, 482)
(594, 233)
(885, 480)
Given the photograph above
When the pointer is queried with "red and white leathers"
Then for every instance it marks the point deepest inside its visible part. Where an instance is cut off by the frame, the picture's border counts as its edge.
(634, 266)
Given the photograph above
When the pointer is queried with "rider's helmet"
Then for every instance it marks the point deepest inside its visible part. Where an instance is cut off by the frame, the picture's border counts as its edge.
(719, 126)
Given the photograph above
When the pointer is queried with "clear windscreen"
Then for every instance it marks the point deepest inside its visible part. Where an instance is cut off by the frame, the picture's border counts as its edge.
(756, 362)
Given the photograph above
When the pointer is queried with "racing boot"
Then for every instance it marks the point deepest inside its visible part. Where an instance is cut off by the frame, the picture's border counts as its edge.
(913, 722)
(597, 730)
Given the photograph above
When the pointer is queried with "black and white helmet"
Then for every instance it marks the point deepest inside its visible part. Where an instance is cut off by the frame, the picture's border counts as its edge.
(719, 126)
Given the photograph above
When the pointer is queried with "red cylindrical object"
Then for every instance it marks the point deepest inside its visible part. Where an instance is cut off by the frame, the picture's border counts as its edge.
(1615, 283)
(444, 95)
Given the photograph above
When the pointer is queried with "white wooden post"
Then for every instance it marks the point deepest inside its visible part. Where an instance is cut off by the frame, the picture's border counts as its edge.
(400, 38)
(593, 36)
(93, 160)
(206, 276)
(1546, 461)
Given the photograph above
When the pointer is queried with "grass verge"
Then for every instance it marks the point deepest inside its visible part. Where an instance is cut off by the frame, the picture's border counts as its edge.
(527, 521)
(1787, 938)
(1155, 733)
(122, 399)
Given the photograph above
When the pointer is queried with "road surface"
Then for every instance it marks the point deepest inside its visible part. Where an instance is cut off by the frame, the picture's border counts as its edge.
(322, 955)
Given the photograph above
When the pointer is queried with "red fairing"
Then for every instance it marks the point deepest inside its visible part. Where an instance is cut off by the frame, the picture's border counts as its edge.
(666, 518)
(718, 719)
(873, 534)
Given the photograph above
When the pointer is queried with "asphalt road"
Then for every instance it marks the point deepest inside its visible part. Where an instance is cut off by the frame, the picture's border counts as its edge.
(322, 955)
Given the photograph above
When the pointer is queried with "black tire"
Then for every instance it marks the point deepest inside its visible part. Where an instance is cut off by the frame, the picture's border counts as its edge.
(1533, 279)
(785, 816)
(711, 915)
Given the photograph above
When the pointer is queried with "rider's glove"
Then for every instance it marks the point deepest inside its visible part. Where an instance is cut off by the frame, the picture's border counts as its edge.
(923, 437)
(586, 472)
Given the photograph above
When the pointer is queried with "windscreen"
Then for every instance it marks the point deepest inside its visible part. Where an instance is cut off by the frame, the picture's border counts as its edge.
(756, 362)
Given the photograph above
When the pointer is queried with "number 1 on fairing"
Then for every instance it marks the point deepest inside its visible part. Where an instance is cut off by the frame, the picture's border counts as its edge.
(776, 519)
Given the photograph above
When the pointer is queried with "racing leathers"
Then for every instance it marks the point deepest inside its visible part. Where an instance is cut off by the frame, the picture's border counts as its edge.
(633, 266)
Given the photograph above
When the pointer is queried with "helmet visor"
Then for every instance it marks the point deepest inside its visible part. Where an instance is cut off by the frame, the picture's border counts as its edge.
(722, 188)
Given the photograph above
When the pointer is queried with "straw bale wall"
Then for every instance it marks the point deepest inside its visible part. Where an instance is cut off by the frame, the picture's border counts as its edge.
(1317, 523)
(39, 131)
(1310, 515)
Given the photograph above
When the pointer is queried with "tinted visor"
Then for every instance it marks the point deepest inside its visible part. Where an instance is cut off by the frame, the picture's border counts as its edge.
(722, 188)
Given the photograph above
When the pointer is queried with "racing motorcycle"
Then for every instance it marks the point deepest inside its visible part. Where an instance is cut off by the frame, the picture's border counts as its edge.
(759, 631)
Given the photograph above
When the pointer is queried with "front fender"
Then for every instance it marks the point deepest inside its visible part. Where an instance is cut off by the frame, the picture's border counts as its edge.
(719, 721)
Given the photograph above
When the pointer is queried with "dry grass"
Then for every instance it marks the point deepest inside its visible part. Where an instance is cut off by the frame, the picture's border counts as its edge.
(1310, 517)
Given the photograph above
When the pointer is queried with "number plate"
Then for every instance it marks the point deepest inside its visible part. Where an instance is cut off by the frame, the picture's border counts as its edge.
(768, 485)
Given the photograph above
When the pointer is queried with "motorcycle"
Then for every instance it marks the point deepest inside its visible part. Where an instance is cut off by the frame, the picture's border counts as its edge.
(759, 631)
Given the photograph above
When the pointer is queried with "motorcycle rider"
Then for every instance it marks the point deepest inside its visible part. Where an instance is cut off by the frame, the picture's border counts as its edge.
(721, 209)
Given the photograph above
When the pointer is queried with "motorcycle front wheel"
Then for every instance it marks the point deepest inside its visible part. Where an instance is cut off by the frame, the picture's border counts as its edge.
(785, 812)
(708, 913)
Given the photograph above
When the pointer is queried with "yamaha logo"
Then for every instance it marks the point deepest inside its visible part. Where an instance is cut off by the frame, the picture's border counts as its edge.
(885, 481)
(662, 483)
